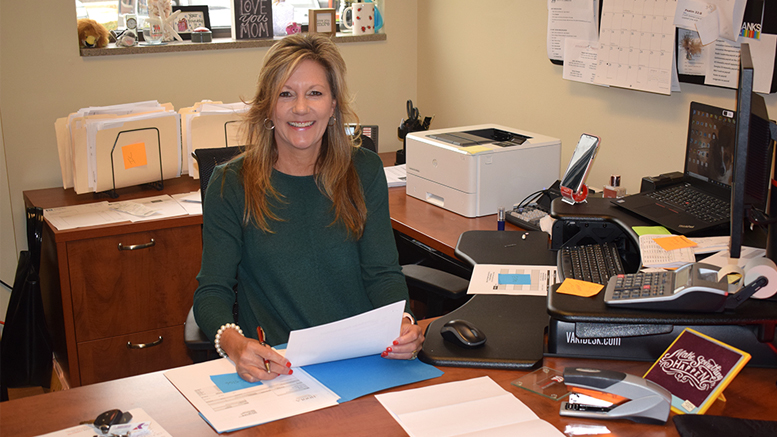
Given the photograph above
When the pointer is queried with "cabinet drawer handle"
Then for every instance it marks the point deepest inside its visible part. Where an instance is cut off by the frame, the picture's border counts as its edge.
(137, 246)
(144, 345)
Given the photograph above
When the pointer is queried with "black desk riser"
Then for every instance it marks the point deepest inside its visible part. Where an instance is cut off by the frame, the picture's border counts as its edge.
(587, 327)
(514, 325)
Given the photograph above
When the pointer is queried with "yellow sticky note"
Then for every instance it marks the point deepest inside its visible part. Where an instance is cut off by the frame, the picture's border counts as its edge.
(134, 155)
(674, 242)
(577, 287)
(474, 150)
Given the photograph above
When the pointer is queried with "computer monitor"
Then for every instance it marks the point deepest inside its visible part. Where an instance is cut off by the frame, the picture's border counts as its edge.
(752, 153)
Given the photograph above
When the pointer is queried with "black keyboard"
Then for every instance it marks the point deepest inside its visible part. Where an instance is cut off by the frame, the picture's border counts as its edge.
(694, 202)
(526, 217)
(593, 262)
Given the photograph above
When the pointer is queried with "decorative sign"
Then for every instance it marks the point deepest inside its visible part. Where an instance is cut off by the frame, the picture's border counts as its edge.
(252, 19)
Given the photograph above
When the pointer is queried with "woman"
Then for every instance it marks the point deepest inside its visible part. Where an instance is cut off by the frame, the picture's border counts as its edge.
(299, 223)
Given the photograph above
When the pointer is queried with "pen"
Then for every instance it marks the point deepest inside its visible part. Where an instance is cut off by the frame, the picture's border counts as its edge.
(260, 334)
(500, 219)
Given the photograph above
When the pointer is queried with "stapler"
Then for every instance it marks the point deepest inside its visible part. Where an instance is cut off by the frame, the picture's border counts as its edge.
(649, 402)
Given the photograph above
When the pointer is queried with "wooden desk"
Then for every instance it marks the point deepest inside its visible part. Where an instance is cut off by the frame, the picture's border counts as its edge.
(752, 395)
(102, 302)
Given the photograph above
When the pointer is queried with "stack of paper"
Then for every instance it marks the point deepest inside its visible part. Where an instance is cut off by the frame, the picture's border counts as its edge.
(396, 176)
(208, 125)
(111, 147)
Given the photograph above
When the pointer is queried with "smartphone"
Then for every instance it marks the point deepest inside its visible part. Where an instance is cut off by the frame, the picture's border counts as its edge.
(573, 188)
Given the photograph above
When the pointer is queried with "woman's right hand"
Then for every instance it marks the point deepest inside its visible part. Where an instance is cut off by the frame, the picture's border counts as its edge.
(249, 355)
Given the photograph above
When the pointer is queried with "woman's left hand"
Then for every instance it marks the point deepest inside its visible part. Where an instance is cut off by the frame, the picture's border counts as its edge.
(406, 347)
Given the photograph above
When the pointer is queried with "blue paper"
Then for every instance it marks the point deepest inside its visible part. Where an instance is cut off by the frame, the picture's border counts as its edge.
(231, 381)
(514, 279)
(357, 377)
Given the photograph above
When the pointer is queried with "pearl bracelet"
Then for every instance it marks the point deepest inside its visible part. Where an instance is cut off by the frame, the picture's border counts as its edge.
(217, 343)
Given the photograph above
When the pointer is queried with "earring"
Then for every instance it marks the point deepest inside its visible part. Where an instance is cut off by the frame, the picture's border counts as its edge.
(332, 120)
(271, 126)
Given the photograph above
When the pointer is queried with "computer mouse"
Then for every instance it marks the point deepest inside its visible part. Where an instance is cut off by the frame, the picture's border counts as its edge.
(463, 333)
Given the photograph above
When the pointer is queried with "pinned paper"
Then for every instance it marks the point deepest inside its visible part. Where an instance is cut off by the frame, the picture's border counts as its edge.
(134, 155)
(674, 242)
(580, 288)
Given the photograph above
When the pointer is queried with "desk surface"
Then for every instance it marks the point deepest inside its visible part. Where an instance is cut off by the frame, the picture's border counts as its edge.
(752, 395)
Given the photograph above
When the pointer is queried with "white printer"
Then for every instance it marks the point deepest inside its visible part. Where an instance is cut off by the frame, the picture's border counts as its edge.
(474, 170)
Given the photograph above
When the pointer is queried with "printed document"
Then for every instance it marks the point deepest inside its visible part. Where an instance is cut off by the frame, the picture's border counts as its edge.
(477, 406)
(284, 396)
(512, 279)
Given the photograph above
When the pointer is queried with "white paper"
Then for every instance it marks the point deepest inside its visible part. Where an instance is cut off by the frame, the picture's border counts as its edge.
(396, 175)
(78, 216)
(708, 27)
(485, 279)
(163, 206)
(284, 396)
(365, 334)
(724, 68)
(191, 202)
(580, 60)
(477, 406)
(138, 415)
(709, 244)
(574, 19)
(654, 255)
(721, 259)
(637, 49)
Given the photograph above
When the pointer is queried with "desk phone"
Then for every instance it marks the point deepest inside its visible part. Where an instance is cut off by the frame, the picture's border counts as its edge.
(691, 288)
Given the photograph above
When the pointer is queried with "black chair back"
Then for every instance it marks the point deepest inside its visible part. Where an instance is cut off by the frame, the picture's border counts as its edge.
(208, 159)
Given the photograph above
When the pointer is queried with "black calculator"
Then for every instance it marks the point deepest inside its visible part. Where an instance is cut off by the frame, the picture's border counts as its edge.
(693, 287)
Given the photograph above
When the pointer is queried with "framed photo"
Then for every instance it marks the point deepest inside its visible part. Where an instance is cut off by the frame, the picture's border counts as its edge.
(322, 21)
(190, 18)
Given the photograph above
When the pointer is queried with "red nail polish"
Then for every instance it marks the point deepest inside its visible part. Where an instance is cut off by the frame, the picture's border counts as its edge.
(396, 342)
(383, 354)
(291, 371)
(388, 349)
(288, 364)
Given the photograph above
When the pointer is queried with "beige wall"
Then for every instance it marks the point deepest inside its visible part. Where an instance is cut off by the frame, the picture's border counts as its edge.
(42, 78)
(492, 67)
(462, 66)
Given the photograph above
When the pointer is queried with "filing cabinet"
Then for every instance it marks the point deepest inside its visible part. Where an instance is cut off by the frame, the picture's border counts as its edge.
(116, 296)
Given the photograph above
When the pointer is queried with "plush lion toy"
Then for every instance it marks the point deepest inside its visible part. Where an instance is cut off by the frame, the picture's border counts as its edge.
(92, 34)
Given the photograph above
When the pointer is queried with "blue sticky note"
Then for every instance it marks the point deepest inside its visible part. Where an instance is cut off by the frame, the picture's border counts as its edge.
(231, 381)
(514, 279)
(357, 377)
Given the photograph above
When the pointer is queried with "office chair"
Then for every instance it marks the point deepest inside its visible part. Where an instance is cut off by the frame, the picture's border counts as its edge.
(200, 347)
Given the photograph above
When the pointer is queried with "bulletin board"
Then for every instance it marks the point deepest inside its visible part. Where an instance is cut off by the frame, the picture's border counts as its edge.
(769, 26)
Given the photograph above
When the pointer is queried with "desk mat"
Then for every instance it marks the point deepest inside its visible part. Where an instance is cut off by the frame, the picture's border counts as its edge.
(514, 328)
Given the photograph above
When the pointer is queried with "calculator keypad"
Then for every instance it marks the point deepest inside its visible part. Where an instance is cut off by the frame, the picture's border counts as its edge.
(642, 285)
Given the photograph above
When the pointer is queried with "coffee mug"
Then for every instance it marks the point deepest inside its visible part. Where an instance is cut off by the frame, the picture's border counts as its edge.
(363, 17)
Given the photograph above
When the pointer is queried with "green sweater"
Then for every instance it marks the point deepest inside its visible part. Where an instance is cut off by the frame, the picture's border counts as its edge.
(307, 272)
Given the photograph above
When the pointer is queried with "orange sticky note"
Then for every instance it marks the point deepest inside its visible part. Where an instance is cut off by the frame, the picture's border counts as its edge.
(674, 242)
(134, 155)
(577, 287)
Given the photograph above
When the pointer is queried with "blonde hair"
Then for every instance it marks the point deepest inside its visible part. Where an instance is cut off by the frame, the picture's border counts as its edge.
(334, 170)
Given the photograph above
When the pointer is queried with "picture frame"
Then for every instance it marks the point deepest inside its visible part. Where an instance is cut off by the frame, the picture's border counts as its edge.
(190, 18)
(322, 21)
